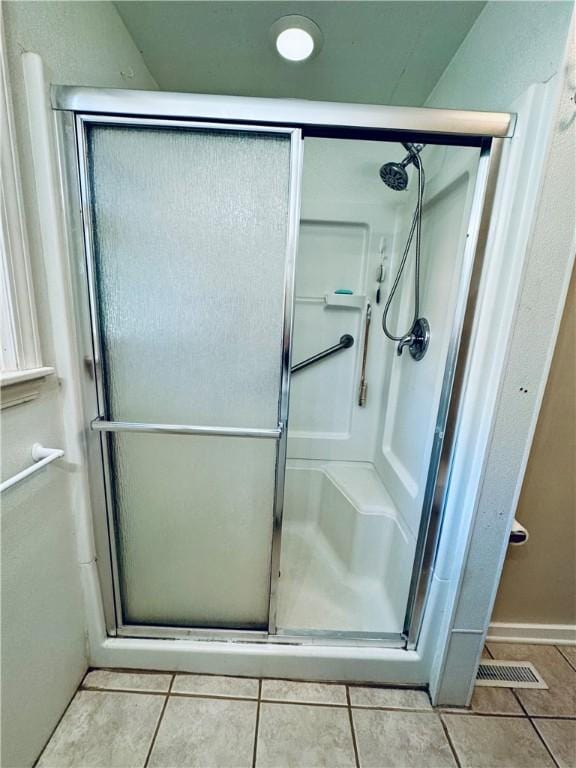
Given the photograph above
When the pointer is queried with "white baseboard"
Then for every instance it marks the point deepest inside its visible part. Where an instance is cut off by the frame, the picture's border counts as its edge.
(545, 634)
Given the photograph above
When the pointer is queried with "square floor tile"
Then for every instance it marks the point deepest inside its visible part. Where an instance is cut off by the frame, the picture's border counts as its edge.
(104, 730)
(196, 733)
(302, 735)
(489, 742)
(560, 699)
(495, 701)
(389, 698)
(310, 693)
(401, 740)
(215, 685)
(560, 738)
(149, 682)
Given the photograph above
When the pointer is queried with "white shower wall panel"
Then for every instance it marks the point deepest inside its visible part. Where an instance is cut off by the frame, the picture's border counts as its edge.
(349, 219)
(411, 390)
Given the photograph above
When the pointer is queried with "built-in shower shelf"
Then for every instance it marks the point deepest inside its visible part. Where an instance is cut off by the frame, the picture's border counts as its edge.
(345, 300)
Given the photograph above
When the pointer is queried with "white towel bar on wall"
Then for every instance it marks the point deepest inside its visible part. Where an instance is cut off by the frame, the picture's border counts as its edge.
(41, 456)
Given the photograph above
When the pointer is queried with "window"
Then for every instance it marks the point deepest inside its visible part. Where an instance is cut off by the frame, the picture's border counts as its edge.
(20, 358)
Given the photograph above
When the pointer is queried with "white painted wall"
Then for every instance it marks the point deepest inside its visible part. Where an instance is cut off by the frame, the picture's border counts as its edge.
(505, 53)
(43, 626)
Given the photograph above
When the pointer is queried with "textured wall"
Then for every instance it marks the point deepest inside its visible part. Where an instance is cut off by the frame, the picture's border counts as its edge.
(43, 647)
(510, 46)
(539, 579)
(538, 584)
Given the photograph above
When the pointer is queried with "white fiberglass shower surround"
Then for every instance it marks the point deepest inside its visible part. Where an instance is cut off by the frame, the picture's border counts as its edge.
(238, 495)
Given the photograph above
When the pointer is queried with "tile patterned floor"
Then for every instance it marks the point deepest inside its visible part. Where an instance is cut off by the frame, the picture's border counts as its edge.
(133, 720)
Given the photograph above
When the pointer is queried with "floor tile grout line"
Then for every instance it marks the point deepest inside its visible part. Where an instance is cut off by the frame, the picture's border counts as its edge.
(158, 724)
(519, 700)
(216, 696)
(258, 705)
(335, 683)
(522, 707)
(173, 694)
(569, 718)
(134, 671)
(566, 659)
(337, 705)
(94, 689)
(470, 713)
(449, 740)
(305, 703)
(354, 742)
(542, 740)
(393, 709)
(49, 739)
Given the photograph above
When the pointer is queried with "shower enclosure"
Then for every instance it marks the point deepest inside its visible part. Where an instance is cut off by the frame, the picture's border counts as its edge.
(223, 241)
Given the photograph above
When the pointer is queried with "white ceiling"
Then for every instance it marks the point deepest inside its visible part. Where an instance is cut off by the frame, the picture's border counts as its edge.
(374, 52)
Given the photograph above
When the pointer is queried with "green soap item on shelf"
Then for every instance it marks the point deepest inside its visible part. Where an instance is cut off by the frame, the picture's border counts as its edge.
(345, 291)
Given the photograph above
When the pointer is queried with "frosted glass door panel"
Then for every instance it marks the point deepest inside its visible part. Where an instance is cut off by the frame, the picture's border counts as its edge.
(190, 231)
(189, 247)
(194, 528)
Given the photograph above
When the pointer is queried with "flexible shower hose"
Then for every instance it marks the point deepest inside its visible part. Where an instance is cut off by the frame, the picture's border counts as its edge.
(416, 226)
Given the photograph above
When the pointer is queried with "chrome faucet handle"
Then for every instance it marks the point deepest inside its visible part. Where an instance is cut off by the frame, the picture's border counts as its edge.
(417, 340)
(405, 341)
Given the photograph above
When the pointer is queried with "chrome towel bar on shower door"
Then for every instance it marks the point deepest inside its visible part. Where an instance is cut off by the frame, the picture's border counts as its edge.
(346, 340)
(101, 425)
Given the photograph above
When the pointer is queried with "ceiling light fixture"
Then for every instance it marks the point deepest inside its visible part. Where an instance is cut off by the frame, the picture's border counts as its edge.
(296, 38)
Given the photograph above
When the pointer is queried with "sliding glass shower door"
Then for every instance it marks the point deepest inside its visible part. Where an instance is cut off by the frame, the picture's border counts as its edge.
(190, 254)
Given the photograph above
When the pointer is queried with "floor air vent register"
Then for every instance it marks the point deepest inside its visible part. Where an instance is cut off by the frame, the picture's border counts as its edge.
(509, 674)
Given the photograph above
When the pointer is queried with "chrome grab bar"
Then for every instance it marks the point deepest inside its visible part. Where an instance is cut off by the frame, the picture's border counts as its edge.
(363, 391)
(345, 341)
(101, 425)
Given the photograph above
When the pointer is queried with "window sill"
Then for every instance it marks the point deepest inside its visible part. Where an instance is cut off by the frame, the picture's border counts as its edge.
(8, 378)
(21, 386)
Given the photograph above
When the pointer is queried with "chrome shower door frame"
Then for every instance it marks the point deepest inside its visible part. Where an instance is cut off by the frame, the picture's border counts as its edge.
(453, 383)
(100, 426)
(483, 130)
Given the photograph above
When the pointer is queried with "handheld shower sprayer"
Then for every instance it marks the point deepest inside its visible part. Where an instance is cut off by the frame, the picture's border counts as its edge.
(395, 176)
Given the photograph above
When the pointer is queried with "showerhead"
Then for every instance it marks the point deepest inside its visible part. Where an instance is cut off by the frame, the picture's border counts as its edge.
(394, 175)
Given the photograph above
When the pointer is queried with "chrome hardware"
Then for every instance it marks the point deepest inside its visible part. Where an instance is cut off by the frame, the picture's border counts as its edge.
(300, 112)
(417, 340)
(346, 340)
(102, 425)
(363, 392)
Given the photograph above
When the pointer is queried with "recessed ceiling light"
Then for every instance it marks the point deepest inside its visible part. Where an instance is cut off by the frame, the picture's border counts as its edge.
(296, 38)
(294, 44)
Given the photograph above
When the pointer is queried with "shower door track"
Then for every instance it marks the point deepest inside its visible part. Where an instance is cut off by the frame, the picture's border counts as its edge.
(303, 637)
(484, 130)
